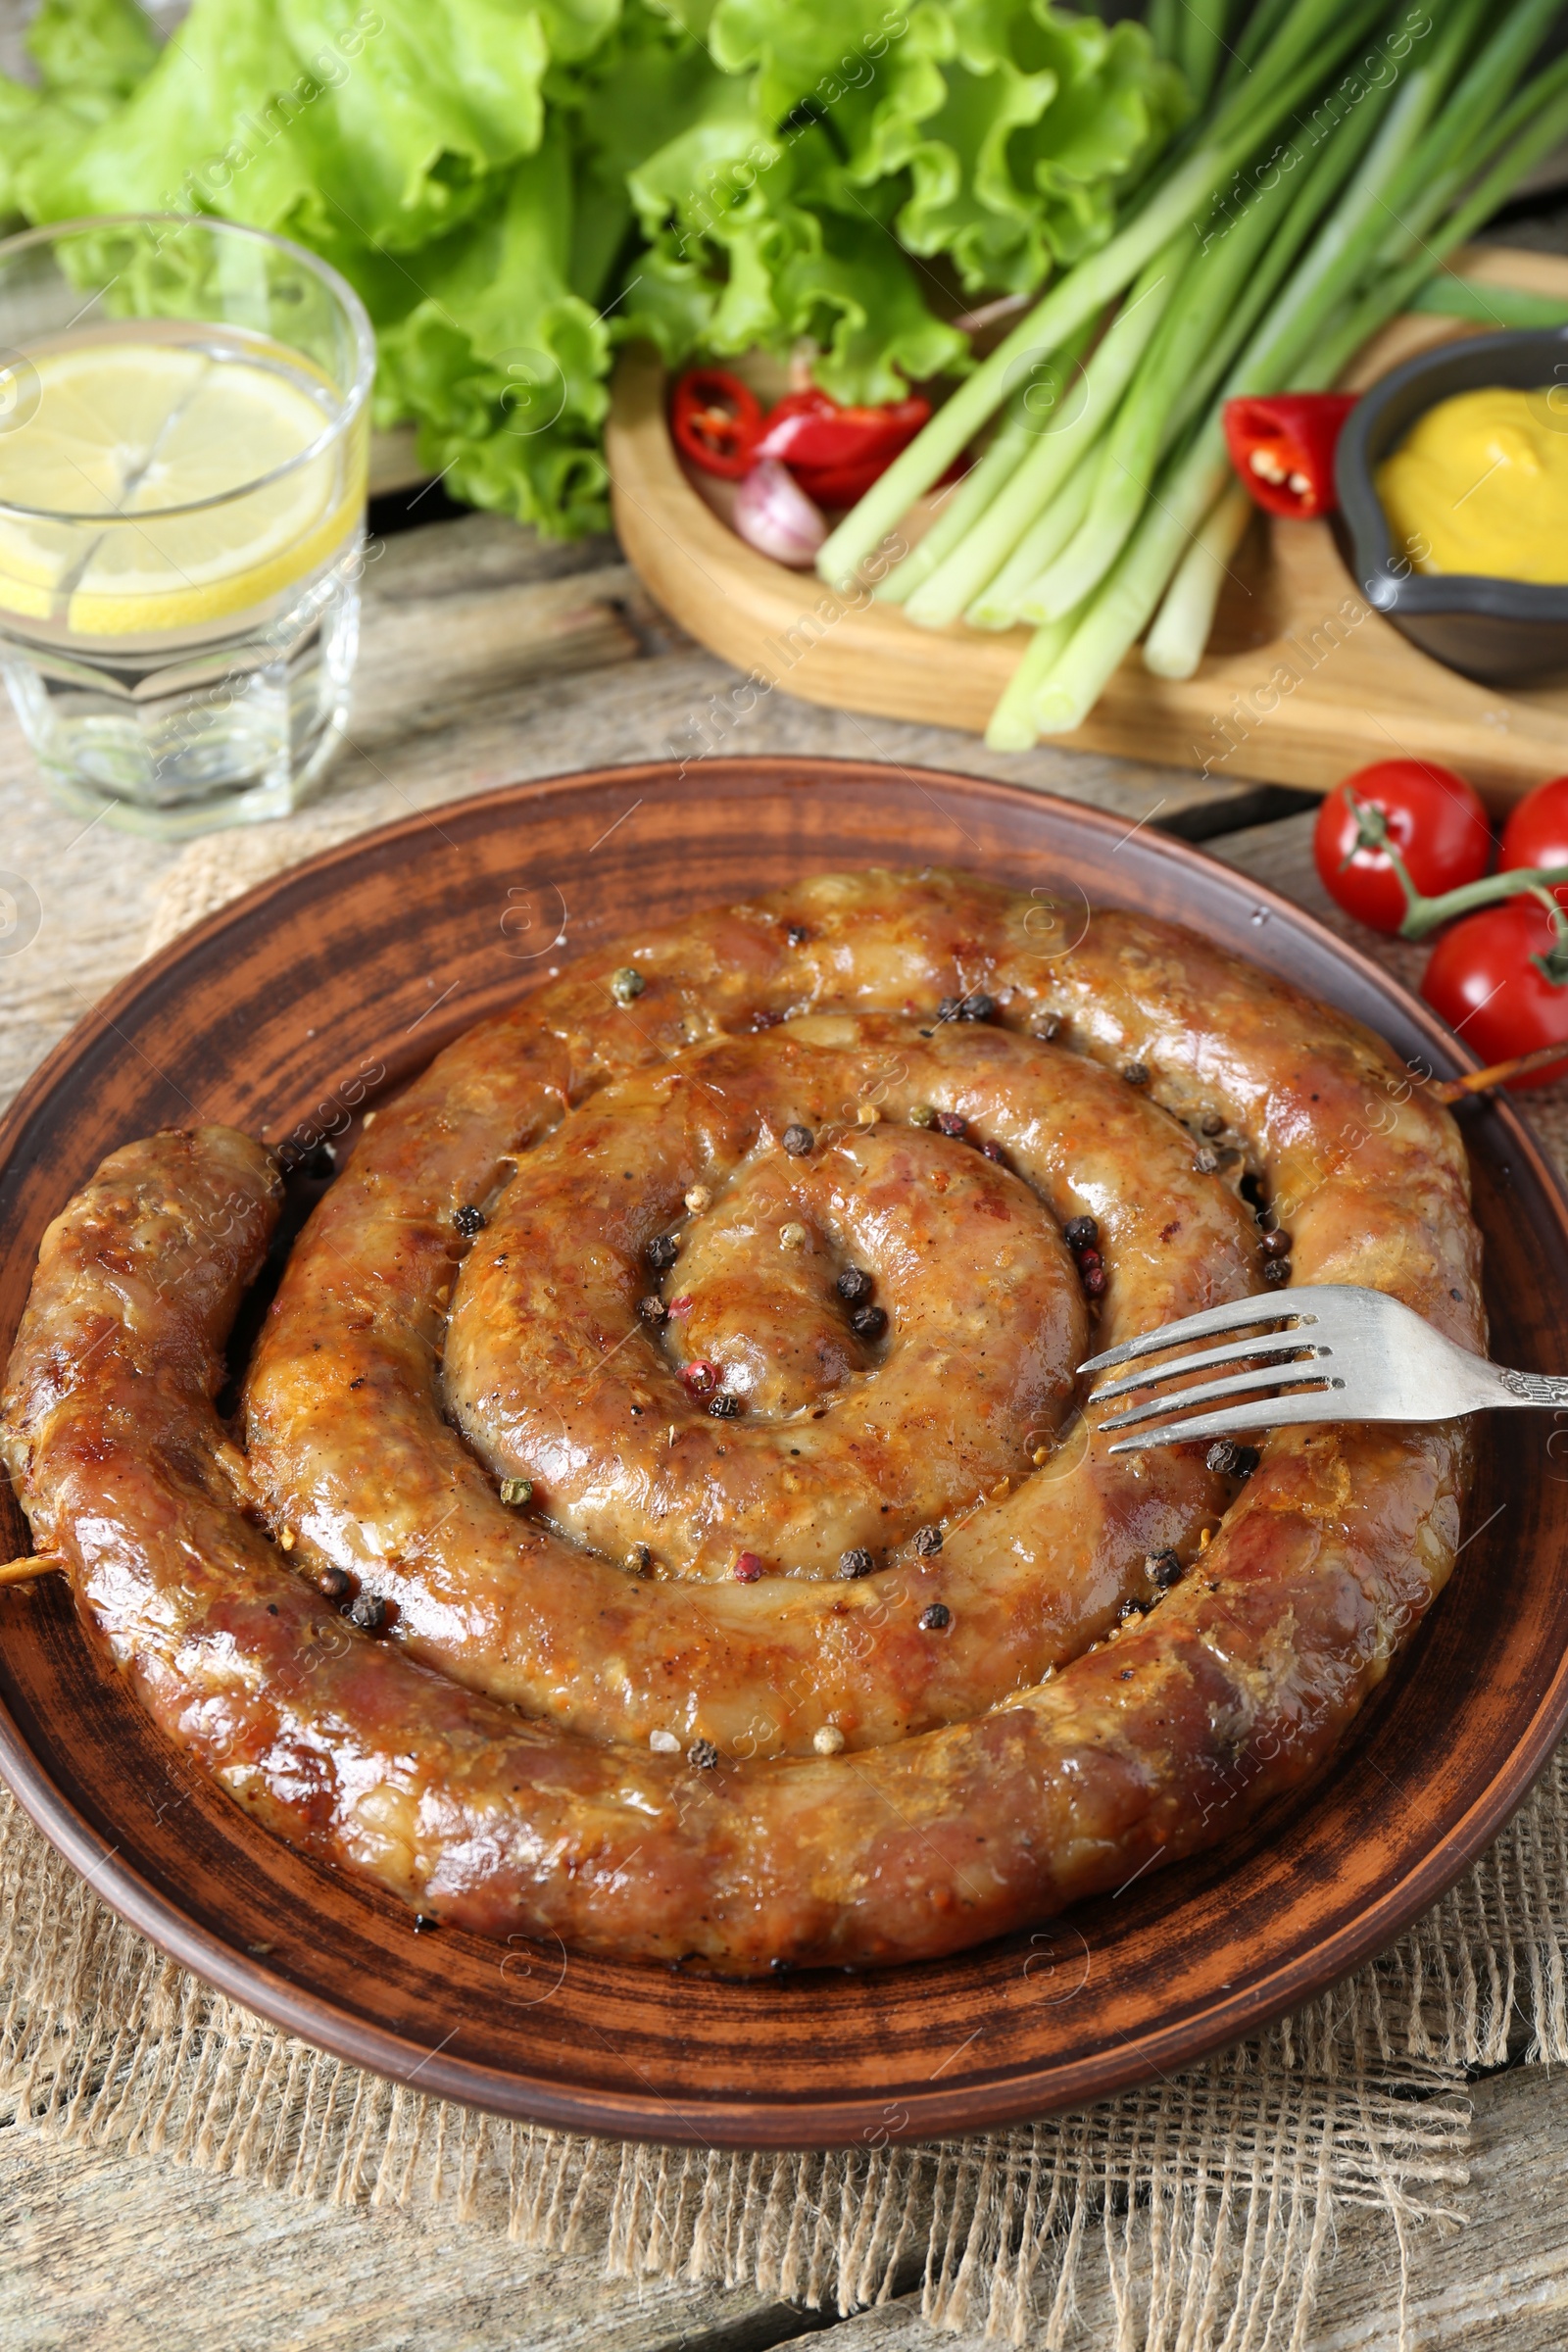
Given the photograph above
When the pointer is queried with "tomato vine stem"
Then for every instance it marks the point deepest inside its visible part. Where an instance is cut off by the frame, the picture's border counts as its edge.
(1424, 915)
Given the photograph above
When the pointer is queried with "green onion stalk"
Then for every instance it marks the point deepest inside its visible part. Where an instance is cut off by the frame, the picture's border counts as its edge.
(1179, 638)
(1187, 359)
(1077, 426)
(1173, 387)
(1002, 604)
(1325, 314)
(957, 515)
(1180, 633)
(1315, 36)
(1009, 445)
(1013, 725)
(1201, 39)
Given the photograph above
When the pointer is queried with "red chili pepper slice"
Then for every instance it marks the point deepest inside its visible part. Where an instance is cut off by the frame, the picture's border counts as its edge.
(715, 419)
(1282, 448)
(837, 453)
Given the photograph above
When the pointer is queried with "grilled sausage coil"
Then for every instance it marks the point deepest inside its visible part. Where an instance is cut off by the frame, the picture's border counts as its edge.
(680, 1376)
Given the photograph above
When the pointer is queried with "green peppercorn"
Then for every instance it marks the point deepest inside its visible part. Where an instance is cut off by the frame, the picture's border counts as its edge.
(517, 1490)
(626, 983)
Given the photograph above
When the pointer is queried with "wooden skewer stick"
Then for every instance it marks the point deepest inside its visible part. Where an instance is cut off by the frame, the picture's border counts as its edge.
(36, 1563)
(1496, 1073)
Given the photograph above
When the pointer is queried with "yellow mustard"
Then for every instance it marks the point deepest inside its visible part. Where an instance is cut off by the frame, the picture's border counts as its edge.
(1480, 484)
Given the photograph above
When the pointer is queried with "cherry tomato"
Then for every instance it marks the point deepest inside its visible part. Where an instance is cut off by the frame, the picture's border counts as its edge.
(1485, 982)
(1537, 832)
(1433, 820)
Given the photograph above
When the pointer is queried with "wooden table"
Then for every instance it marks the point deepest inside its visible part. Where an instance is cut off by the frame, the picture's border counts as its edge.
(489, 657)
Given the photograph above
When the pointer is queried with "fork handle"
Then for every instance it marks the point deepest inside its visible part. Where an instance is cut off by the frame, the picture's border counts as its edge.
(1533, 1388)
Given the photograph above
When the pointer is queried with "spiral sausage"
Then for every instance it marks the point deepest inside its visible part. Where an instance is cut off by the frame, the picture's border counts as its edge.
(981, 1795)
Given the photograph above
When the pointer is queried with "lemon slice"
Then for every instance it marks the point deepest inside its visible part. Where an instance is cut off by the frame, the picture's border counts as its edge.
(127, 431)
(98, 413)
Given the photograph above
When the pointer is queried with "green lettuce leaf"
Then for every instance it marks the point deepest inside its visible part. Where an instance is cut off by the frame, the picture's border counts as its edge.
(514, 187)
(383, 120)
(98, 48)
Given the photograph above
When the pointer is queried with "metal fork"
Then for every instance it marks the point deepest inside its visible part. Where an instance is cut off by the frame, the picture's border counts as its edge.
(1351, 1355)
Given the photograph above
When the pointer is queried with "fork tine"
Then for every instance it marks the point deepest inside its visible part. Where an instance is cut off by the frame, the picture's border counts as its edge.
(1273, 1306)
(1235, 1421)
(1240, 1351)
(1210, 1392)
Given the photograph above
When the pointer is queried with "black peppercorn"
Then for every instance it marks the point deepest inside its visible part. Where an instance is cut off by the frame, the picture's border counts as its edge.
(949, 1123)
(1232, 1460)
(367, 1612)
(933, 1619)
(333, 1581)
(639, 1560)
(1134, 1606)
(1275, 1244)
(853, 1285)
(927, 1541)
(993, 1152)
(1276, 1270)
(977, 1007)
(1163, 1569)
(798, 1141)
(1206, 1162)
(468, 1220)
(1051, 1028)
(653, 1310)
(858, 1562)
(724, 1406)
(1135, 1073)
(662, 1251)
(1081, 1233)
(949, 1009)
(868, 1322)
(702, 1754)
(796, 935)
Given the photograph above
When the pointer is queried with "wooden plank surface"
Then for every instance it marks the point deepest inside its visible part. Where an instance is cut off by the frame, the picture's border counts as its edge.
(477, 669)
(1302, 680)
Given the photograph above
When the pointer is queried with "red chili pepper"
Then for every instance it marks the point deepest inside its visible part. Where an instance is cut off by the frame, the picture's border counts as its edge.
(1282, 448)
(836, 453)
(715, 419)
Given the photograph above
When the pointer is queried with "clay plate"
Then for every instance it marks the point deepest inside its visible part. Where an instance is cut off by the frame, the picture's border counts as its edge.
(269, 1014)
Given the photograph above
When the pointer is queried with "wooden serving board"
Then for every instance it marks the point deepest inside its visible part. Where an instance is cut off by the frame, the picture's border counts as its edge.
(1302, 680)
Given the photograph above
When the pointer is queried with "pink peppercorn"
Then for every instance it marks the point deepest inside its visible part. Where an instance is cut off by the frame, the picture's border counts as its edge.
(748, 1568)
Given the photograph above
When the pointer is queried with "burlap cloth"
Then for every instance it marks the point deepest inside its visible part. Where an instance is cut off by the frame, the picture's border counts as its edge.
(1209, 2199)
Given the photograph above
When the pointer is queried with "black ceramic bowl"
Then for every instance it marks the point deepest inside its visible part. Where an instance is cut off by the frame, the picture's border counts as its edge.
(1503, 631)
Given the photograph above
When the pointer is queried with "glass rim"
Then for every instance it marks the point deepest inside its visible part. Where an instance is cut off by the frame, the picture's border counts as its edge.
(337, 284)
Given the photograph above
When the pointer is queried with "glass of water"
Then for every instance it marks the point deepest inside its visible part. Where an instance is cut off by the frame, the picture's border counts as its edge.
(184, 431)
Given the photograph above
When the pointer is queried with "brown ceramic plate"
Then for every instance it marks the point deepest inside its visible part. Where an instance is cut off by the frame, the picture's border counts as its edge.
(267, 1015)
